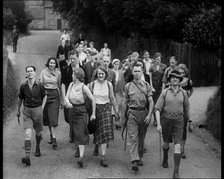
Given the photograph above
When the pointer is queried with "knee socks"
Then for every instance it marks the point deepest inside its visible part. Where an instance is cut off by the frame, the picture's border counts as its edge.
(27, 145)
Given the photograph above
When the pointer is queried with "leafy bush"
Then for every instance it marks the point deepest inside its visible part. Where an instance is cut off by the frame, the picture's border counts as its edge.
(9, 18)
(204, 29)
(18, 16)
(10, 91)
(213, 114)
(140, 18)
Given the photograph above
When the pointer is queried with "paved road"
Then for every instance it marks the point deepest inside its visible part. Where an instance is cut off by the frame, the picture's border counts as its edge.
(201, 162)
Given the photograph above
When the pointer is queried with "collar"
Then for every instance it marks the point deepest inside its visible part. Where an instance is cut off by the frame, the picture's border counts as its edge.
(172, 90)
(26, 82)
(141, 82)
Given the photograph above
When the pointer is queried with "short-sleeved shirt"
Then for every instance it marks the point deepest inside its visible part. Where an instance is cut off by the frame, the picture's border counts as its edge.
(167, 72)
(51, 80)
(157, 75)
(135, 97)
(32, 97)
(171, 104)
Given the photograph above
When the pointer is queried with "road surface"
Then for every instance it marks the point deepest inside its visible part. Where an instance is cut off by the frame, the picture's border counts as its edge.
(202, 160)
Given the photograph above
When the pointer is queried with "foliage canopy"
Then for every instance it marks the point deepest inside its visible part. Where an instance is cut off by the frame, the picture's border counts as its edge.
(167, 19)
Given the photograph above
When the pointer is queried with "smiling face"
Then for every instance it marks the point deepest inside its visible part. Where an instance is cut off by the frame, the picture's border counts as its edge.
(174, 80)
(30, 73)
(52, 64)
(101, 75)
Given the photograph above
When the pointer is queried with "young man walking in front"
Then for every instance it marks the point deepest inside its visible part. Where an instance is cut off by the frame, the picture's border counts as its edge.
(33, 96)
(137, 94)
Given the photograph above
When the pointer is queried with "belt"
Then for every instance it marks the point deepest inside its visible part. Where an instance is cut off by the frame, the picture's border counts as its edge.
(76, 105)
(32, 106)
(137, 108)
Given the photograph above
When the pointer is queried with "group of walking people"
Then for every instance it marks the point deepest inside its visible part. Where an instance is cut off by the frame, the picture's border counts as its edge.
(94, 88)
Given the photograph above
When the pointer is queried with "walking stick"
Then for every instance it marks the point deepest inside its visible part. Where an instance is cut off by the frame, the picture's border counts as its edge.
(160, 148)
(125, 139)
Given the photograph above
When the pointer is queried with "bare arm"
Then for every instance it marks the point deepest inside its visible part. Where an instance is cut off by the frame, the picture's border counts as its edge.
(112, 98)
(44, 101)
(19, 106)
(90, 96)
(159, 128)
(67, 103)
(150, 75)
(151, 106)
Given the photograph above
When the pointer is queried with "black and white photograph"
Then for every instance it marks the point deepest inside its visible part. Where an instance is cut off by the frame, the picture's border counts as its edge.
(96, 89)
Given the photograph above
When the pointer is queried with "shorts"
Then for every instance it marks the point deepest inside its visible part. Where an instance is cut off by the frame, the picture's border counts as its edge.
(33, 118)
(172, 130)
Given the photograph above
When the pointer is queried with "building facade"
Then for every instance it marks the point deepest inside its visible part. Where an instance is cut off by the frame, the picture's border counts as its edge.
(43, 15)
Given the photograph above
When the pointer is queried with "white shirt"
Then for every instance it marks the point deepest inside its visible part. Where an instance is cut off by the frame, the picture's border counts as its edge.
(82, 57)
(148, 64)
(105, 51)
(101, 92)
(65, 37)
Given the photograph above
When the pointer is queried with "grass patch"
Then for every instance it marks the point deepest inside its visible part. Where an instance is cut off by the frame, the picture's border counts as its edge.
(213, 115)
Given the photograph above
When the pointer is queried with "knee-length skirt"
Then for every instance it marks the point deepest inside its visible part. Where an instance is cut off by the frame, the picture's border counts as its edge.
(51, 108)
(78, 121)
(104, 124)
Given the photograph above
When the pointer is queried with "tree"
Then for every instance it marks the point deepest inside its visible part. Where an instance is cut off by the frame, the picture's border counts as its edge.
(204, 29)
(21, 19)
(164, 19)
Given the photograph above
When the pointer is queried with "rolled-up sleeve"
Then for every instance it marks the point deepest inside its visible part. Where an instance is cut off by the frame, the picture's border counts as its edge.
(126, 91)
(149, 90)
(160, 102)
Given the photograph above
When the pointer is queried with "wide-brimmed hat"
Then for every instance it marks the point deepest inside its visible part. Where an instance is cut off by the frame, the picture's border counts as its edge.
(176, 74)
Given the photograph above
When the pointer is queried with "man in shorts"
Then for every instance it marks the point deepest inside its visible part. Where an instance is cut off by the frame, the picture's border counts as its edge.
(172, 104)
(33, 96)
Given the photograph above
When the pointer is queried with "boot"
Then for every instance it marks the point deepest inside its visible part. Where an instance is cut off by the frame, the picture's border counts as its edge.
(27, 146)
(177, 158)
(103, 162)
(77, 153)
(37, 152)
(135, 165)
(140, 162)
(96, 150)
(80, 162)
(165, 158)
(26, 160)
(50, 141)
(54, 143)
